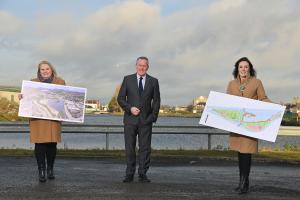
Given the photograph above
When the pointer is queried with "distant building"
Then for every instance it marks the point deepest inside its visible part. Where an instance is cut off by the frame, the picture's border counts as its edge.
(105, 108)
(10, 93)
(295, 105)
(181, 108)
(92, 106)
(199, 104)
(166, 109)
(93, 103)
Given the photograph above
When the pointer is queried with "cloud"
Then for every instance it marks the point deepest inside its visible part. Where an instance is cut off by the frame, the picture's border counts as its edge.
(226, 5)
(191, 50)
(10, 24)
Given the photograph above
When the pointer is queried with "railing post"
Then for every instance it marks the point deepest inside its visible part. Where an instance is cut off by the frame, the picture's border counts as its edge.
(209, 141)
(107, 141)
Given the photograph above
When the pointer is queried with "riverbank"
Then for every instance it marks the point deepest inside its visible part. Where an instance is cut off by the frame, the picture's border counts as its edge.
(291, 157)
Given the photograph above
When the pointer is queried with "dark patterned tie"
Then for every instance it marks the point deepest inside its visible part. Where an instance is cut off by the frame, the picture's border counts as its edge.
(141, 86)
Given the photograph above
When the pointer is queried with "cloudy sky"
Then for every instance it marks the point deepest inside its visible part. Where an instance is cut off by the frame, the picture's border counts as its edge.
(192, 44)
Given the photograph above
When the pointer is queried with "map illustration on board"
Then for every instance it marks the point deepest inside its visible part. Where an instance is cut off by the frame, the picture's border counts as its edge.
(242, 115)
(250, 119)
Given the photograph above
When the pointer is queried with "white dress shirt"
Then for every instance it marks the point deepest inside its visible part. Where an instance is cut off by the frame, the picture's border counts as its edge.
(143, 80)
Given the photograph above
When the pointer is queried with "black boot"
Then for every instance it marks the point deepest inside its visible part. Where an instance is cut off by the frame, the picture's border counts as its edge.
(244, 185)
(244, 167)
(39, 151)
(50, 173)
(50, 154)
(42, 174)
(237, 189)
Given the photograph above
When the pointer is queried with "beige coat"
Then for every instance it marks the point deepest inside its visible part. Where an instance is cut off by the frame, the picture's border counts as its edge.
(42, 130)
(253, 90)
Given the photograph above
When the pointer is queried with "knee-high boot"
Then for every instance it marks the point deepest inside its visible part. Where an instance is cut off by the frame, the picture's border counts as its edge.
(39, 151)
(51, 154)
(240, 173)
(246, 165)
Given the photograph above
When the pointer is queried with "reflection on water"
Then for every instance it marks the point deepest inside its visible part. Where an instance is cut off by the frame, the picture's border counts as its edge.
(98, 141)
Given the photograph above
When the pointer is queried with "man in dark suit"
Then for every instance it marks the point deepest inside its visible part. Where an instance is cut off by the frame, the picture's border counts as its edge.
(139, 97)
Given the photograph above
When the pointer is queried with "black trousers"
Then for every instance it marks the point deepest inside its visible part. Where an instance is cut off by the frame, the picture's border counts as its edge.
(45, 152)
(244, 164)
(144, 133)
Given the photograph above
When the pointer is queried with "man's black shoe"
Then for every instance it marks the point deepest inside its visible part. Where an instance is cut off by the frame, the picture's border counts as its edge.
(128, 179)
(144, 179)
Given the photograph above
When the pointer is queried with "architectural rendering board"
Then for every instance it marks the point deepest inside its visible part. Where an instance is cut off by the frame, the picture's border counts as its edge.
(51, 101)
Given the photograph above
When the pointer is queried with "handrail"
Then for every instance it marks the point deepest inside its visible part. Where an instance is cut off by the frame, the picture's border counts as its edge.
(68, 128)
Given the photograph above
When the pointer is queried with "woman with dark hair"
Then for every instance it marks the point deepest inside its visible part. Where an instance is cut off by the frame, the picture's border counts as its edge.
(45, 133)
(245, 84)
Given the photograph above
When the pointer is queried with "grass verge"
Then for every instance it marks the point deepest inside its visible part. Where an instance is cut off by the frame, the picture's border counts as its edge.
(273, 155)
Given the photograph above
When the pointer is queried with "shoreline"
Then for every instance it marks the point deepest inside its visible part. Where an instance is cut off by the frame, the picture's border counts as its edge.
(191, 115)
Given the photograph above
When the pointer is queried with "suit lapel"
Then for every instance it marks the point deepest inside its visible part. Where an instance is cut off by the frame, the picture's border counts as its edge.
(135, 84)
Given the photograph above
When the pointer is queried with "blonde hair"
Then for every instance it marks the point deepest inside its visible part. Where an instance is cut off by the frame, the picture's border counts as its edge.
(54, 74)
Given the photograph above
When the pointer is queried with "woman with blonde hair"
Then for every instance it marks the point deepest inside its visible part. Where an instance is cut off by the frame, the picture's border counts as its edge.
(45, 133)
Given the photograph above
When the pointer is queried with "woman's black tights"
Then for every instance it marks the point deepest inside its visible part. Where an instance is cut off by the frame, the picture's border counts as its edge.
(43, 152)
(244, 163)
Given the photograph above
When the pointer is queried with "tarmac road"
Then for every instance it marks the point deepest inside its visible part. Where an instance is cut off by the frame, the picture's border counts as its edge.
(172, 179)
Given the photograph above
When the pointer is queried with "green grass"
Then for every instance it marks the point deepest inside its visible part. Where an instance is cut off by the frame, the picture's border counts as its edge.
(281, 155)
(273, 155)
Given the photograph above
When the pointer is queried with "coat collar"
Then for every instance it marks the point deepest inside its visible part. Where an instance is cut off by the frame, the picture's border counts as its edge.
(238, 80)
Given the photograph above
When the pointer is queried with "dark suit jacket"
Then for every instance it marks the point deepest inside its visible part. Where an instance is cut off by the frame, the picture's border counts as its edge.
(148, 102)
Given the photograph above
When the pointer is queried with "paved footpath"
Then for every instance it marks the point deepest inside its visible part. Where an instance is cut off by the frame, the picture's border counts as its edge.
(100, 178)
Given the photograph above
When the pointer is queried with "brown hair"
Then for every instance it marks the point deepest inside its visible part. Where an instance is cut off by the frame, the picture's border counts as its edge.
(236, 67)
(54, 74)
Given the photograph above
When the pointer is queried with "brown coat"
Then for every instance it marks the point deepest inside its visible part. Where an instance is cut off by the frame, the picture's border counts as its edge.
(253, 90)
(43, 130)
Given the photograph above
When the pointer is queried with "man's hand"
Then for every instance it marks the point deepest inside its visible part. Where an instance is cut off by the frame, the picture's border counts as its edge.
(135, 111)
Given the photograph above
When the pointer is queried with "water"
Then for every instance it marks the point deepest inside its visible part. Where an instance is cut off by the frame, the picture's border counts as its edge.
(97, 141)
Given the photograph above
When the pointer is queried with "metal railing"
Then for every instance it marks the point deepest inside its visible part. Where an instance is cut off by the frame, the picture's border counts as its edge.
(19, 127)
